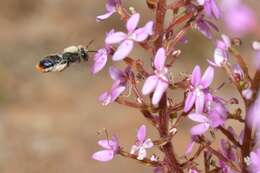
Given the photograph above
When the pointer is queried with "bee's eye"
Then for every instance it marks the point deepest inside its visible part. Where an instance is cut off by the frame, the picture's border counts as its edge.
(46, 63)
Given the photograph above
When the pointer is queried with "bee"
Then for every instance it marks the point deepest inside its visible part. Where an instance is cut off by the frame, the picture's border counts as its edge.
(60, 61)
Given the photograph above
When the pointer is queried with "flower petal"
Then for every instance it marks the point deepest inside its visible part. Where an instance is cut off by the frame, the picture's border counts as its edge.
(190, 147)
(160, 58)
(139, 35)
(189, 102)
(107, 144)
(103, 155)
(149, 27)
(115, 73)
(134, 148)
(256, 45)
(196, 76)
(142, 153)
(100, 61)
(198, 117)
(201, 2)
(200, 102)
(159, 90)
(115, 37)
(105, 98)
(123, 50)
(104, 16)
(117, 92)
(133, 22)
(148, 143)
(207, 77)
(141, 133)
(199, 129)
(215, 9)
(150, 84)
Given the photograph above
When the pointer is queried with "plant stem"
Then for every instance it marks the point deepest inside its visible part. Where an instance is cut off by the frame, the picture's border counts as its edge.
(159, 23)
(168, 149)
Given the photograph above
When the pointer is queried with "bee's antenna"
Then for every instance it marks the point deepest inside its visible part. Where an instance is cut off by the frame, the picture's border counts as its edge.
(92, 51)
(90, 42)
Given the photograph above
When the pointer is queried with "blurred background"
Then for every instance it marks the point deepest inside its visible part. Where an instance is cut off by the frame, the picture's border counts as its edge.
(49, 122)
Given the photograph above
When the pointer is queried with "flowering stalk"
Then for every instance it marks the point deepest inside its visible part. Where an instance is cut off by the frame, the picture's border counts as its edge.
(147, 89)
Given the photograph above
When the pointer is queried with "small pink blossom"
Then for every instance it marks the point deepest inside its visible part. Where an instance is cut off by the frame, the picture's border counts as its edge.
(221, 54)
(111, 7)
(126, 40)
(198, 88)
(101, 57)
(142, 144)
(120, 79)
(239, 18)
(205, 26)
(111, 148)
(158, 82)
(202, 127)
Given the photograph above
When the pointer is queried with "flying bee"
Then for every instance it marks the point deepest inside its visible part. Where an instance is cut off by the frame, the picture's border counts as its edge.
(60, 61)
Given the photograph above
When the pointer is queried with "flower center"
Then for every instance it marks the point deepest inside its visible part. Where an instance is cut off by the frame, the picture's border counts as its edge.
(161, 73)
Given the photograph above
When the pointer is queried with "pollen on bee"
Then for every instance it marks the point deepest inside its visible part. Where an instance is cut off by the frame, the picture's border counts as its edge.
(71, 49)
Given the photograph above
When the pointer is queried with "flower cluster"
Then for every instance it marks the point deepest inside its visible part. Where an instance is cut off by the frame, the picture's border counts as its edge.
(149, 85)
(150, 88)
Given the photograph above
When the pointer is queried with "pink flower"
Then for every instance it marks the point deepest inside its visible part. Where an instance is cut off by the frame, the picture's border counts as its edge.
(202, 127)
(216, 110)
(204, 26)
(141, 143)
(221, 54)
(111, 9)
(120, 79)
(126, 40)
(158, 82)
(110, 96)
(111, 148)
(217, 116)
(198, 88)
(100, 58)
(239, 18)
(210, 7)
